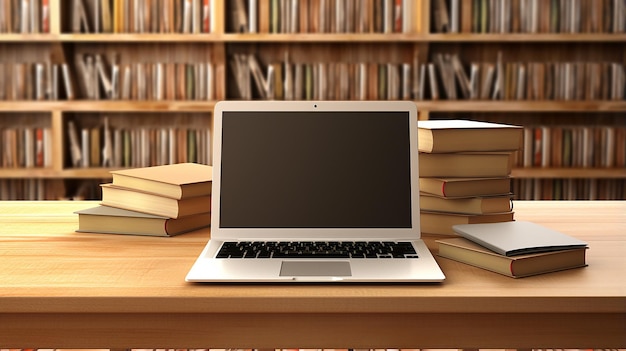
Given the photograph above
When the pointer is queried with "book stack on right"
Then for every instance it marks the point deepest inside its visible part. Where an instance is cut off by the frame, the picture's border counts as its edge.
(465, 169)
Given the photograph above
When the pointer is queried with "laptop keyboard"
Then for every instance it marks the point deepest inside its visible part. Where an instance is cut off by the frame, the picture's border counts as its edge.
(317, 249)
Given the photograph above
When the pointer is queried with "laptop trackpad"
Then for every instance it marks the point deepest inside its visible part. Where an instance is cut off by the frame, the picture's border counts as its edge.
(313, 268)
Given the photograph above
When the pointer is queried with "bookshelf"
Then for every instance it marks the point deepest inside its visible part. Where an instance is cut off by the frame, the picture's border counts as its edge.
(379, 57)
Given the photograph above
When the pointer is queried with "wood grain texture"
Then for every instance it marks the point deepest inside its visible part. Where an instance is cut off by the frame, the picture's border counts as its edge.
(73, 290)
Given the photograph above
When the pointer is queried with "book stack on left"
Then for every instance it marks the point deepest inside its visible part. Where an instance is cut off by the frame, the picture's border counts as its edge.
(159, 201)
(465, 169)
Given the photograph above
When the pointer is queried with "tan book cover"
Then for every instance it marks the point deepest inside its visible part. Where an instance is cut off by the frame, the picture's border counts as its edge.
(463, 250)
(176, 181)
(470, 164)
(465, 187)
(111, 220)
(468, 205)
(135, 200)
(436, 136)
(441, 223)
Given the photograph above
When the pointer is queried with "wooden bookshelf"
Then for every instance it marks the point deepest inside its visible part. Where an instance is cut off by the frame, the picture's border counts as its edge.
(416, 43)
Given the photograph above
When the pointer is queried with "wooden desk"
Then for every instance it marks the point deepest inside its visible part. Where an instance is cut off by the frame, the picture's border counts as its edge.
(64, 289)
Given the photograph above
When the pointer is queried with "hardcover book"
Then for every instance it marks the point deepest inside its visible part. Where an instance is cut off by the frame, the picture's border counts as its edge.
(441, 223)
(465, 187)
(463, 250)
(470, 164)
(177, 181)
(469, 205)
(134, 200)
(437, 136)
(110, 220)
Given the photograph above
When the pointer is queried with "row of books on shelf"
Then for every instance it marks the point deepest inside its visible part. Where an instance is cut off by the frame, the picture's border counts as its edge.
(33, 189)
(321, 16)
(569, 189)
(143, 16)
(24, 16)
(25, 147)
(529, 16)
(98, 79)
(445, 77)
(109, 146)
(321, 81)
(101, 79)
(35, 81)
(573, 146)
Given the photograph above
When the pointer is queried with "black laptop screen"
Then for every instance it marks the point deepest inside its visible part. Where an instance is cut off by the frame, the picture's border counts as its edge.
(315, 170)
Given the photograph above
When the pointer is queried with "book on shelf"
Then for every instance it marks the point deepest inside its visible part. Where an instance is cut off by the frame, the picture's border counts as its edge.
(466, 251)
(447, 77)
(518, 237)
(321, 16)
(32, 16)
(465, 187)
(135, 200)
(25, 147)
(288, 80)
(466, 164)
(574, 146)
(529, 16)
(442, 136)
(467, 205)
(111, 220)
(166, 16)
(440, 223)
(124, 145)
(178, 181)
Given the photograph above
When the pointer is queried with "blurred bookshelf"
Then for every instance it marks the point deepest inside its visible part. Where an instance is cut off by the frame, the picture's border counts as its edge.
(81, 79)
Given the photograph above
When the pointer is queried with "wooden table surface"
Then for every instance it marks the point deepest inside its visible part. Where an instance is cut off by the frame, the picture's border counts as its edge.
(63, 289)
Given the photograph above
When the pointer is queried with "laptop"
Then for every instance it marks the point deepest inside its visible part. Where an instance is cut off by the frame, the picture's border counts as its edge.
(315, 192)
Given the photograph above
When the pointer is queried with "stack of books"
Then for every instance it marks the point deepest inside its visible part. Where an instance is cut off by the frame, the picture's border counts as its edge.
(465, 169)
(160, 201)
(515, 249)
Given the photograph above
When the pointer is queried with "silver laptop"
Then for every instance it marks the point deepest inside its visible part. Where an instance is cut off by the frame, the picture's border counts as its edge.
(315, 192)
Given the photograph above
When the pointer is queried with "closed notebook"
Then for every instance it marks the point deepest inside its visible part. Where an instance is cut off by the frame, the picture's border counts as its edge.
(110, 220)
(463, 250)
(517, 238)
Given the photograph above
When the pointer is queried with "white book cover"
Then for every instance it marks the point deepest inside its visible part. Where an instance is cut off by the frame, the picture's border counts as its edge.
(517, 237)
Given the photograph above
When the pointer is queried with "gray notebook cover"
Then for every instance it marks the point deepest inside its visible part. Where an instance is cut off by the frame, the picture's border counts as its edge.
(517, 238)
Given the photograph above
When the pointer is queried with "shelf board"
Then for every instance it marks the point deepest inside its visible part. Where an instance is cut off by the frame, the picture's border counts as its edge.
(526, 37)
(318, 37)
(207, 106)
(520, 106)
(569, 173)
(107, 106)
(104, 173)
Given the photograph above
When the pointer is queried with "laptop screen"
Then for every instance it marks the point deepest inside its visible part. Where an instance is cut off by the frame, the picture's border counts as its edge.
(315, 170)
